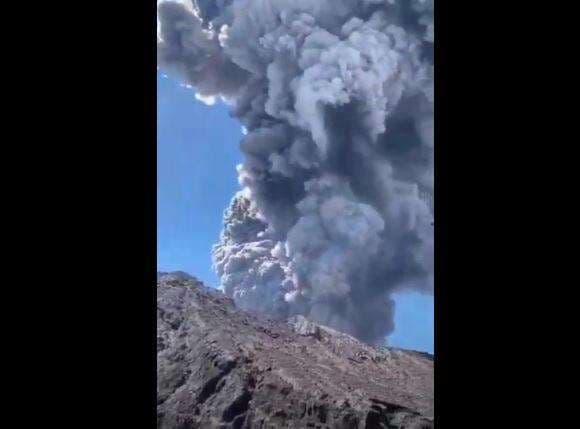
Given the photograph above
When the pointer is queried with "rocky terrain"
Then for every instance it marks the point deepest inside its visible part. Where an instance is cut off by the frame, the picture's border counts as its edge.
(220, 367)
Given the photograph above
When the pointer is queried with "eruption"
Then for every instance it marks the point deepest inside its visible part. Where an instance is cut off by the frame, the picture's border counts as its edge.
(336, 99)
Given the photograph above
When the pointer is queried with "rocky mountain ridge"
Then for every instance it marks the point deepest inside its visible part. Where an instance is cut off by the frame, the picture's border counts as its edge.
(221, 367)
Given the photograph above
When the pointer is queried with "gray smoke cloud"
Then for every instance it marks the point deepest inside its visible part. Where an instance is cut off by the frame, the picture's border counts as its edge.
(336, 98)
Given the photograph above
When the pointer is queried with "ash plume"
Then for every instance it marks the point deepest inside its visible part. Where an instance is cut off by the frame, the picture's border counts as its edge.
(336, 97)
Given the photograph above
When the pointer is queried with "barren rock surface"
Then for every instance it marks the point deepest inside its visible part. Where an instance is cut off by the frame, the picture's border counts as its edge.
(221, 367)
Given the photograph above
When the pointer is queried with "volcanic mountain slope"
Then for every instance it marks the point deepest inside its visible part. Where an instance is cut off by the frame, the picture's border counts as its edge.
(221, 367)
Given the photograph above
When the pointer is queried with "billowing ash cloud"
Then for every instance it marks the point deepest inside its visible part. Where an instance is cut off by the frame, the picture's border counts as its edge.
(336, 96)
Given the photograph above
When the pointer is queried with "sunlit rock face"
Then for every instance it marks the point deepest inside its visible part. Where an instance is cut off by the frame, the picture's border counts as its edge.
(221, 367)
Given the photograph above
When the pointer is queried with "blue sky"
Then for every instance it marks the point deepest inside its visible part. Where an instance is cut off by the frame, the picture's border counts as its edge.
(197, 152)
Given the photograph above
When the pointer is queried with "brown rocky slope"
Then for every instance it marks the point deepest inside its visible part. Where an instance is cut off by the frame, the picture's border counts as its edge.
(220, 367)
